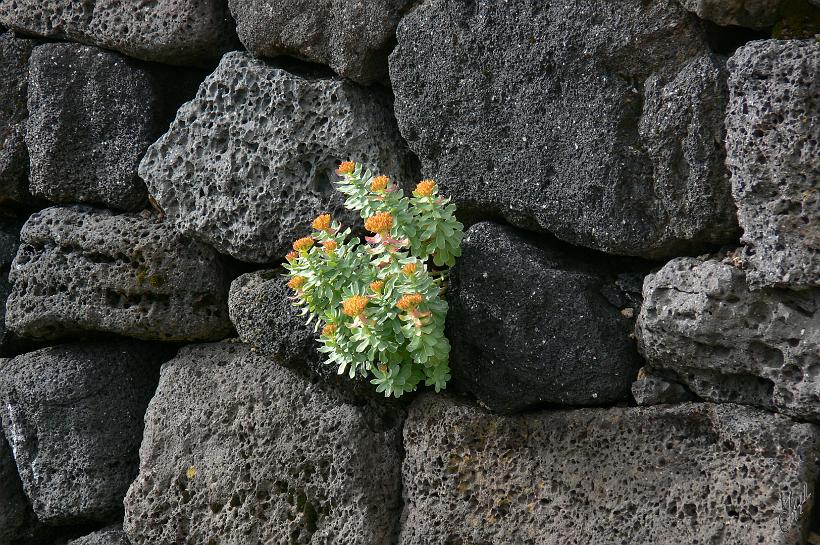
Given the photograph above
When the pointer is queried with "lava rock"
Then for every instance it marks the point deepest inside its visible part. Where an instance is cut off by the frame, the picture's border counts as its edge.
(14, 58)
(239, 449)
(13, 503)
(756, 14)
(701, 322)
(530, 324)
(691, 473)
(773, 147)
(9, 242)
(251, 160)
(353, 38)
(599, 122)
(650, 389)
(93, 115)
(178, 32)
(111, 535)
(81, 270)
(73, 415)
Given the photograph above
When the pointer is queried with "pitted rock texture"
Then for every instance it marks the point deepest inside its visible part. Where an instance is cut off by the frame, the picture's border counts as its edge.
(13, 503)
(178, 32)
(73, 415)
(651, 389)
(93, 115)
(757, 14)
(14, 57)
(251, 160)
(691, 473)
(81, 269)
(112, 535)
(354, 38)
(600, 122)
(773, 147)
(700, 321)
(531, 324)
(9, 242)
(239, 450)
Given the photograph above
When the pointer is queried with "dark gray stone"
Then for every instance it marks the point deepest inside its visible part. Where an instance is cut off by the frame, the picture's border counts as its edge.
(179, 32)
(650, 389)
(240, 450)
(81, 270)
(93, 115)
(531, 324)
(354, 38)
(757, 14)
(600, 122)
(251, 160)
(9, 242)
(691, 473)
(14, 57)
(73, 415)
(13, 503)
(701, 322)
(112, 535)
(773, 147)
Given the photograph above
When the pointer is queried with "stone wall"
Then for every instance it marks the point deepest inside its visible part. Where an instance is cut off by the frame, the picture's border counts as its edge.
(634, 320)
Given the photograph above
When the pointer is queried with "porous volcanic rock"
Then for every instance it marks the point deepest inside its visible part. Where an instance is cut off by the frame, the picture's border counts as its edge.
(690, 473)
(73, 415)
(651, 389)
(251, 160)
(757, 14)
(700, 321)
(14, 57)
(13, 503)
(773, 147)
(239, 449)
(93, 115)
(599, 122)
(111, 535)
(9, 242)
(178, 32)
(354, 38)
(530, 324)
(81, 269)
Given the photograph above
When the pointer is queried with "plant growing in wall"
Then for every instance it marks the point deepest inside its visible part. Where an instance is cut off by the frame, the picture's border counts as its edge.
(379, 301)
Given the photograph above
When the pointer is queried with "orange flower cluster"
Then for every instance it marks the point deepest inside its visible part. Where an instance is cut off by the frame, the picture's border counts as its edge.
(380, 223)
(379, 183)
(353, 306)
(297, 282)
(303, 244)
(377, 286)
(409, 302)
(425, 188)
(330, 246)
(322, 223)
(347, 167)
(291, 256)
(329, 330)
(409, 269)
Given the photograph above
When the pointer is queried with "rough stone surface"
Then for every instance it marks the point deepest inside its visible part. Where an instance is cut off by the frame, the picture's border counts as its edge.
(93, 115)
(600, 122)
(12, 500)
(14, 57)
(531, 324)
(691, 473)
(650, 389)
(250, 161)
(179, 32)
(757, 14)
(81, 269)
(9, 242)
(112, 535)
(354, 38)
(728, 344)
(239, 450)
(73, 415)
(773, 147)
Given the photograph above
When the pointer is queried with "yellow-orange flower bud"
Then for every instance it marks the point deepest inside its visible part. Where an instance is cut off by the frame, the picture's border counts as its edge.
(347, 167)
(409, 269)
(379, 183)
(303, 244)
(297, 282)
(329, 330)
(322, 223)
(291, 256)
(330, 246)
(425, 188)
(380, 223)
(409, 302)
(353, 306)
(377, 286)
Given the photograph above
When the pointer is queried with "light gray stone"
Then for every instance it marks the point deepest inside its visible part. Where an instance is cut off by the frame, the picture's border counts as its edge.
(179, 32)
(239, 450)
(352, 37)
(757, 14)
(700, 321)
(93, 115)
(773, 147)
(691, 473)
(73, 416)
(111, 535)
(251, 160)
(82, 270)
(599, 122)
